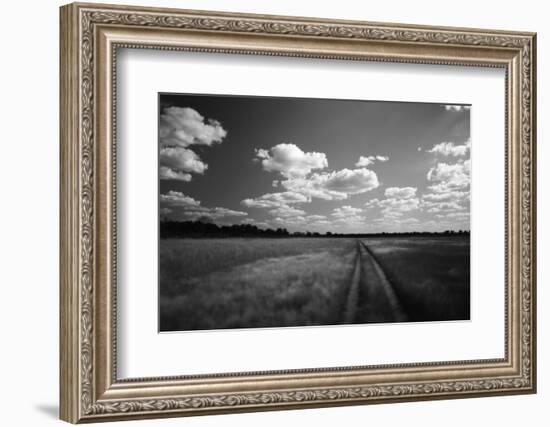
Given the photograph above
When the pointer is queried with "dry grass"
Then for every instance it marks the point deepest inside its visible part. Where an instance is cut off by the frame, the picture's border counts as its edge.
(431, 275)
(238, 283)
(258, 282)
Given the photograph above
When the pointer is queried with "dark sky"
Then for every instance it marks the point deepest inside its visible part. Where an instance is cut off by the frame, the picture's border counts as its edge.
(295, 163)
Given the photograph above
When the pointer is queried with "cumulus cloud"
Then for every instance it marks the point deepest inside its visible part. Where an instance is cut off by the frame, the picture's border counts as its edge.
(451, 176)
(298, 170)
(433, 207)
(450, 149)
(177, 198)
(286, 211)
(398, 206)
(181, 206)
(409, 221)
(275, 200)
(364, 161)
(350, 181)
(181, 160)
(290, 161)
(279, 204)
(398, 201)
(179, 129)
(170, 174)
(303, 184)
(369, 160)
(316, 218)
(450, 189)
(457, 107)
(400, 192)
(348, 213)
(216, 213)
(459, 216)
(183, 126)
(336, 185)
(440, 195)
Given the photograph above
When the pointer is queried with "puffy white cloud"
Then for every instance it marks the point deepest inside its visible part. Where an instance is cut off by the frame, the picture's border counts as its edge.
(279, 205)
(180, 128)
(346, 212)
(290, 160)
(183, 126)
(185, 207)
(369, 160)
(434, 207)
(286, 211)
(451, 176)
(451, 189)
(400, 192)
(216, 213)
(398, 201)
(316, 218)
(450, 149)
(460, 216)
(182, 160)
(177, 198)
(398, 206)
(456, 107)
(275, 200)
(313, 187)
(297, 167)
(170, 174)
(364, 161)
(348, 215)
(440, 195)
(372, 203)
(336, 185)
(350, 181)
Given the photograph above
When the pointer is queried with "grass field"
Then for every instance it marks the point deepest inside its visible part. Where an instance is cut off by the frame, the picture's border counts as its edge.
(237, 283)
(431, 275)
(263, 282)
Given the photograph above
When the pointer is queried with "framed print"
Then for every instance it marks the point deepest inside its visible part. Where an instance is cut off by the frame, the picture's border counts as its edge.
(265, 212)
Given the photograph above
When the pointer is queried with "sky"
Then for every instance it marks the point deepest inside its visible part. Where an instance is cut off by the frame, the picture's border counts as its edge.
(345, 166)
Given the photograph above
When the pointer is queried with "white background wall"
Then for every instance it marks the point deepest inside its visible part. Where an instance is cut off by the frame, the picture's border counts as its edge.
(29, 170)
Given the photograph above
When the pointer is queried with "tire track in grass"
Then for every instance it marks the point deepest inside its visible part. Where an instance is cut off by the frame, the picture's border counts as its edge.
(371, 297)
(381, 285)
(350, 311)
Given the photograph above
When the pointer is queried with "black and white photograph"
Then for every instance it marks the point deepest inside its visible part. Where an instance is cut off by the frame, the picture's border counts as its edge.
(296, 212)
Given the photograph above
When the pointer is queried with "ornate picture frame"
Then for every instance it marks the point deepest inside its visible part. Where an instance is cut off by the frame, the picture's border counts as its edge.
(90, 37)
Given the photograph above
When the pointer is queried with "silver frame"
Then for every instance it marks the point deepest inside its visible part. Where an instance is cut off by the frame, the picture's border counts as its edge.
(90, 37)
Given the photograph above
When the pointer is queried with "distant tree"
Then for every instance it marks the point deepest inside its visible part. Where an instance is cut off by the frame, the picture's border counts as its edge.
(205, 219)
(205, 227)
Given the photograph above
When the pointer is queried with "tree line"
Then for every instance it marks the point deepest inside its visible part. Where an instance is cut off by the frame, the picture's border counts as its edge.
(200, 229)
